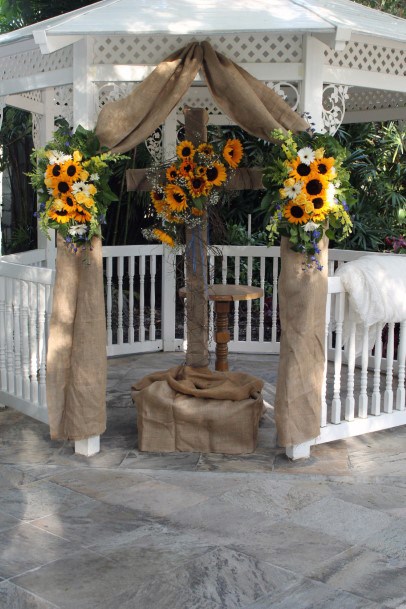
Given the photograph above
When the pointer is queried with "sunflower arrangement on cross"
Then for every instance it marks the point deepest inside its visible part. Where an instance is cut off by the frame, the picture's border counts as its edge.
(185, 187)
(309, 193)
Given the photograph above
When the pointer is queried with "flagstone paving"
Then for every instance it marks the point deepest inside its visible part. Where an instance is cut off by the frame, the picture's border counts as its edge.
(132, 530)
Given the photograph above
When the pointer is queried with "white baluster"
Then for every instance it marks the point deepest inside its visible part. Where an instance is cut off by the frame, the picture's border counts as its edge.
(42, 344)
(211, 263)
(262, 300)
(131, 272)
(376, 393)
(275, 271)
(388, 395)
(152, 267)
(224, 269)
(141, 331)
(249, 302)
(350, 401)
(338, 356)
(363, 395)
(9, 336)
(120, 275)
(17, 337)
(25, 360)
(237, 261)
(33, 329)
(323, 413)
(400, 393)
(109, 306)
(3, 369)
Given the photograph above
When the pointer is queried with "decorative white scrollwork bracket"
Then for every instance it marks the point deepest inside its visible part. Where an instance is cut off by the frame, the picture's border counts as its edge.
(334, 97)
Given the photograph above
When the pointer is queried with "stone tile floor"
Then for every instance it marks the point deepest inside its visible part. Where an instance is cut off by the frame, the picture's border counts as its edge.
(132, 530)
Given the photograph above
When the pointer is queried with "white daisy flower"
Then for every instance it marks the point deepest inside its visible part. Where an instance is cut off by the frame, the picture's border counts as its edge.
(94, 177)
(306, 155)
(293, 190)
(330, 193)
(80, 187)
(55, 157)
(78, 230)
(310, 226)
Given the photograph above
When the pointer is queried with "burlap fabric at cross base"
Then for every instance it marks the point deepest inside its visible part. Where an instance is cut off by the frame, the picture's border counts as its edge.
(302, 310)
(76, 359)
(197, 410)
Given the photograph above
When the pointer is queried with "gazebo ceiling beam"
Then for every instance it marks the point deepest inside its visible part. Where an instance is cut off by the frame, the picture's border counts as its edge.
(49, 44)
(336, 41)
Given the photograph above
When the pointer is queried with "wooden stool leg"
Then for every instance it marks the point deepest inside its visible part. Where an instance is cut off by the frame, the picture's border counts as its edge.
(222, 335)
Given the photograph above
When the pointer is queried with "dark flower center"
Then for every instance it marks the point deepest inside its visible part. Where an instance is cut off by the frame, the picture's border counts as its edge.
(303, 169)
(188, 168)
(69, 201)
(186, 151)
(63, 187)
(159, 196)
(318, 203)
(71, 170)
(296, 211)
(61, 212)
(196, 183)
(56, 170)
(178, 197)
(314, 187)
(212, 174)
(322, 168)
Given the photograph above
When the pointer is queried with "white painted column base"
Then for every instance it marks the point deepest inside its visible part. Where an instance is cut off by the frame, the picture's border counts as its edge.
(88, 447)
(299, 451)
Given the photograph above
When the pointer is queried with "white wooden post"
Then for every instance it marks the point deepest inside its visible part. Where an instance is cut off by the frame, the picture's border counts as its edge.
(311, 96)
(47, 128)
(84, 114)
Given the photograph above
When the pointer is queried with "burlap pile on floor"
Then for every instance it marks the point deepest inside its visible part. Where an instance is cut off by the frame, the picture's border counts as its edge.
(196, 410)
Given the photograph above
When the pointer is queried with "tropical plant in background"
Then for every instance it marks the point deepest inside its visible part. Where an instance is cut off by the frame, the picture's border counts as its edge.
(308, 193)
(71, 176)
(185, 188)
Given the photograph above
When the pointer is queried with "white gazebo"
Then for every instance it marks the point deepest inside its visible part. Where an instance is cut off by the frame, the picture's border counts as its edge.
(335, 60)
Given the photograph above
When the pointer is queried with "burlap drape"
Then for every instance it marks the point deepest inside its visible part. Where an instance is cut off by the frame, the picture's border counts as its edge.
(302, 309)
(125, 123)
(76, 359)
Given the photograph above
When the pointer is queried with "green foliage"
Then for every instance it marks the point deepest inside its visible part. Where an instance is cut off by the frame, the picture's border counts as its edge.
(377, 167)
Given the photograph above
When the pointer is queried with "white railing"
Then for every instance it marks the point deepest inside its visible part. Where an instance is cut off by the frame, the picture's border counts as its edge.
(25, 304)
(144, 314)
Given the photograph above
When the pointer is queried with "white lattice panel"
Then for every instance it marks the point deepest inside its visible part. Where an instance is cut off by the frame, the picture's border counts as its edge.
(33, 62)
(369, 58)
(63, 99)
(241, 48)
(372, 99)
(199, 97)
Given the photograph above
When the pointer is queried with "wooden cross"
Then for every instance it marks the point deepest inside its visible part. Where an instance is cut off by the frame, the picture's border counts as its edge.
(197, 354)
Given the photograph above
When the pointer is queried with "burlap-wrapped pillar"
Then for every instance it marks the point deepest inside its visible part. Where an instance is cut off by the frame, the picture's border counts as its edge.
(197, 354)
(76, 359)
(302, 310)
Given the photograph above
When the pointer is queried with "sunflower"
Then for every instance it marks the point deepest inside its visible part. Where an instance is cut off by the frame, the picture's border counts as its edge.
(185, 150)
(216, 174)
(161, 206)
(320, 209)
(73, 170)
(324, 166)
(186, 168)
(176, 198)
(297, 169)
(200, 170)
(233, 152)
(316, 186)
(58, 185)
(295, 214)
(82, 215)
(198, 186)
(206, 149)
(59, 215)
(163, 237)
(171, 173)
(157, 196)
(68, 202)
(53, 171)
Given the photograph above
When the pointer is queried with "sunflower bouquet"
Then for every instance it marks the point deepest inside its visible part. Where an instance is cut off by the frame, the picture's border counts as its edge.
(183, 189)
(308, 193)
(71, 178)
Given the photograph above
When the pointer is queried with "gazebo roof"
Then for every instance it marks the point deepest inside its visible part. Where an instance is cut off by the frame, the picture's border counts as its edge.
(337, 18)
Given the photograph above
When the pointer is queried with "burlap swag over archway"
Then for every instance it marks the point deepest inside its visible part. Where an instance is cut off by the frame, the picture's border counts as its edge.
(125, 123)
